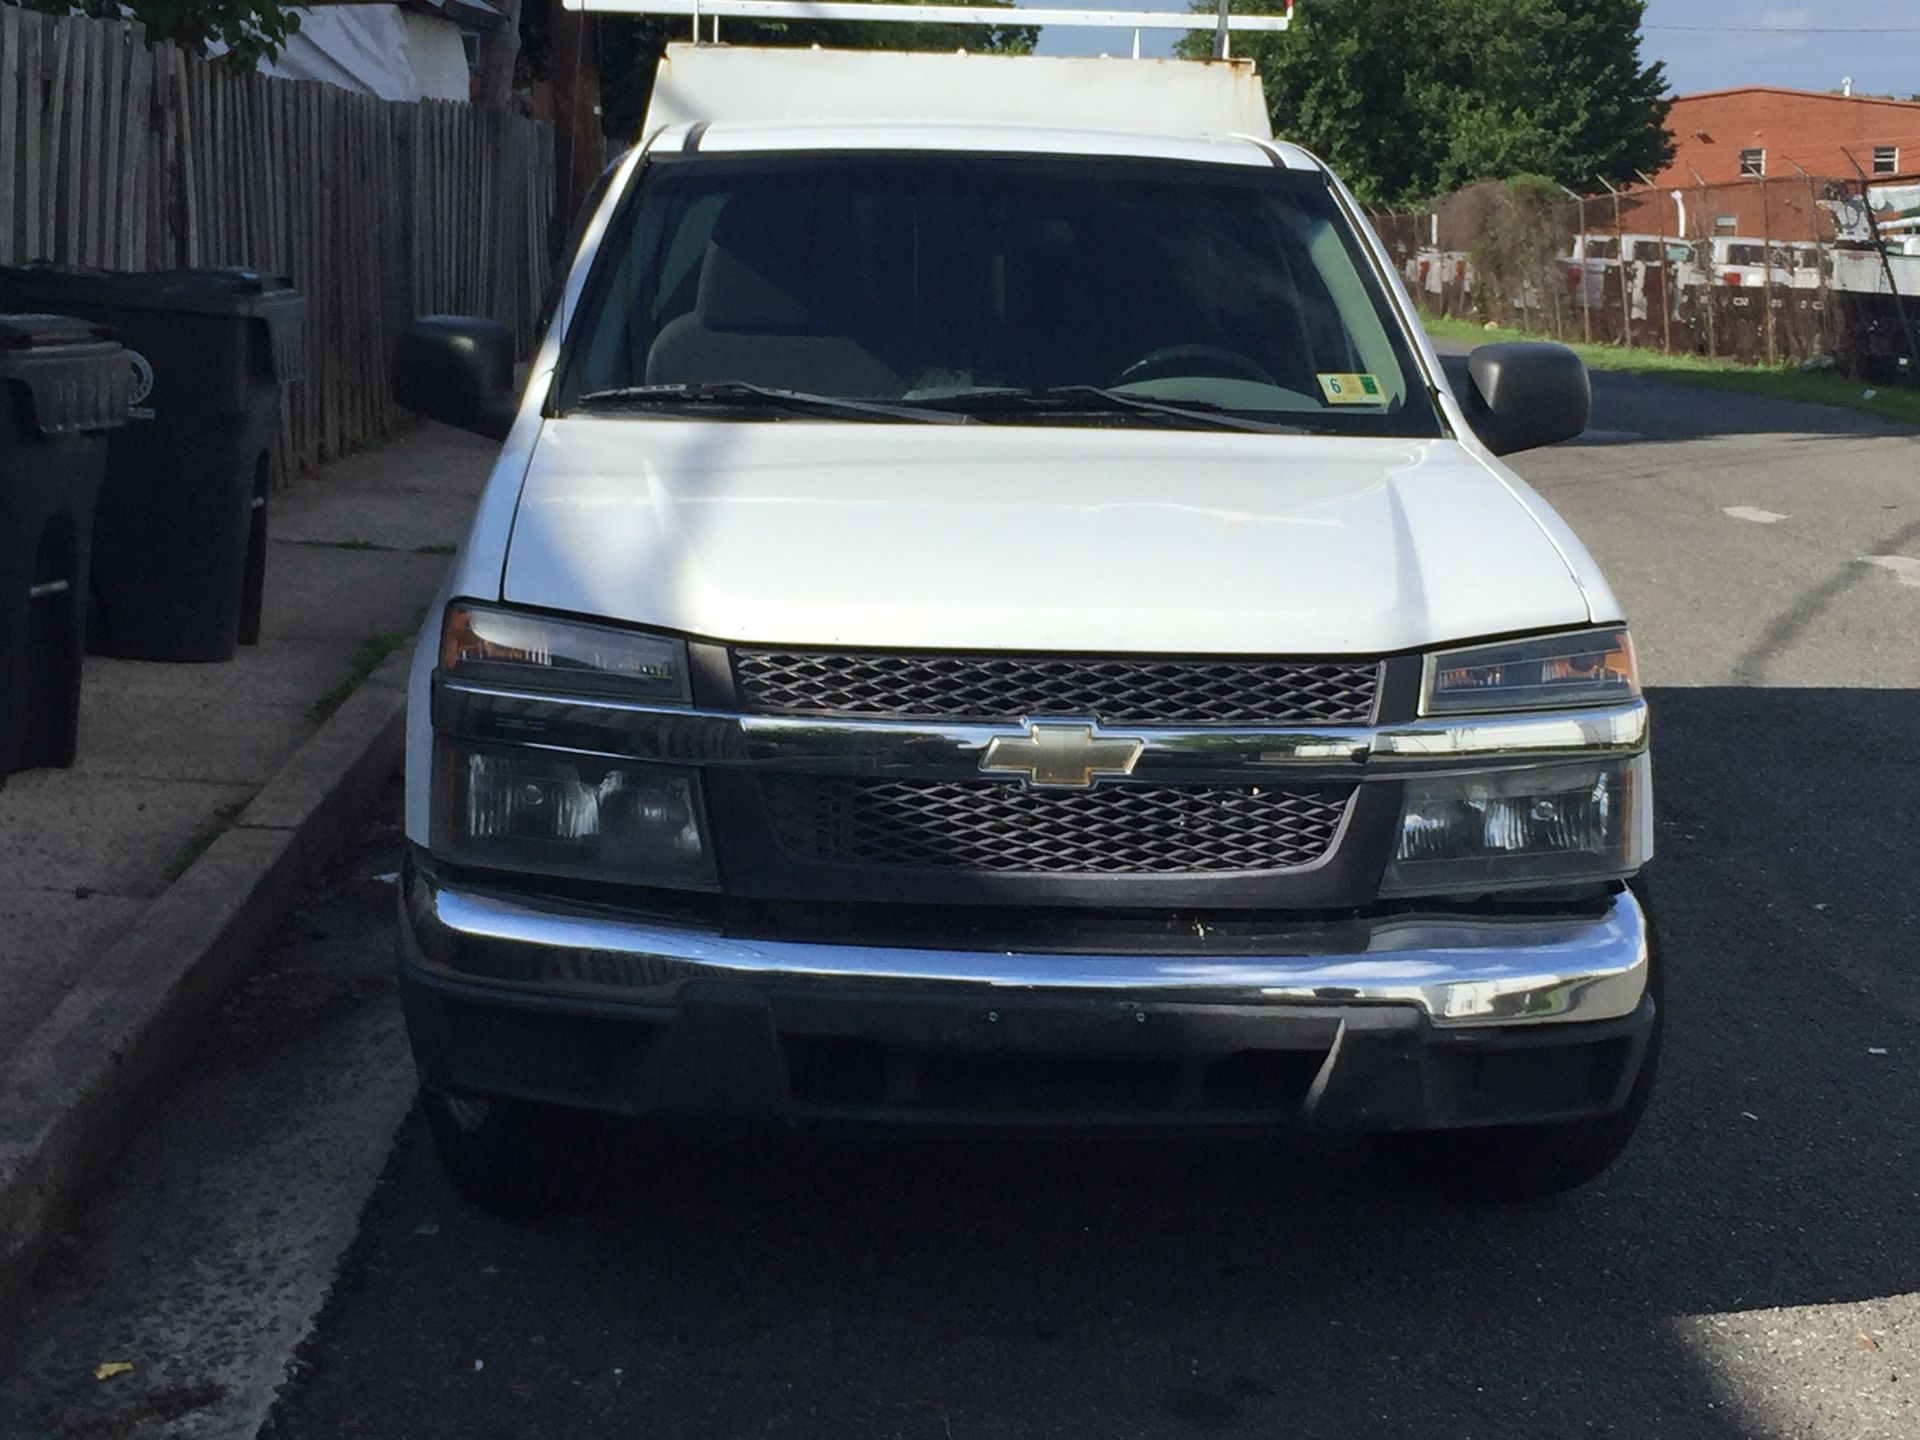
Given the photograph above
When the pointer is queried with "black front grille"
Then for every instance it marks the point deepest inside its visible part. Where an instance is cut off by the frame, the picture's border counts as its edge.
(1111, 830)
(1009, 687)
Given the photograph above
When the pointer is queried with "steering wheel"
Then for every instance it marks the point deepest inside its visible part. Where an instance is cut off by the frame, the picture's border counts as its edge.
(1183, 359)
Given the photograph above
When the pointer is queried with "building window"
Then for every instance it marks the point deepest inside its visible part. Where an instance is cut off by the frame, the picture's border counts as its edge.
(1753, 164)
(1726, 224)
(1886, 159)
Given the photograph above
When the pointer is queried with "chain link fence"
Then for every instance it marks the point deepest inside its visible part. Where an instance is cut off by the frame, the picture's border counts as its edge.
(1764, 271)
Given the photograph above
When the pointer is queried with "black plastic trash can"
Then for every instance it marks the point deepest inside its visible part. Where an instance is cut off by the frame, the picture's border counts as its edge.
(180, 538)
(63, 391)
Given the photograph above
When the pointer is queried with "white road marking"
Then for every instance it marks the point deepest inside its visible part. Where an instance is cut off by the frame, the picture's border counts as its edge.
(1903, 568)
(1757, 516)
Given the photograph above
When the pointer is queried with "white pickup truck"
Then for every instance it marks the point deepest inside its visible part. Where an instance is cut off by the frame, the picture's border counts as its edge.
(989, 612)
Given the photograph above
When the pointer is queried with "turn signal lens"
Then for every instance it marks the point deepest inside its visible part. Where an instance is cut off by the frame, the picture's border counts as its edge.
(491, 644)
(1588, 667)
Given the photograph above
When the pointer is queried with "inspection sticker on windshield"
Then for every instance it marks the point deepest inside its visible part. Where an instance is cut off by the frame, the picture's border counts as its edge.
(1350, 389)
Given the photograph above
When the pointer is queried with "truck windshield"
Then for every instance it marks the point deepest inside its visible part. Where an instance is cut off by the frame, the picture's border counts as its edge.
(1001, 289)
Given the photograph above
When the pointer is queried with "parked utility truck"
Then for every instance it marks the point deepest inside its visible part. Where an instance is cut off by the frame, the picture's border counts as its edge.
(988, 611)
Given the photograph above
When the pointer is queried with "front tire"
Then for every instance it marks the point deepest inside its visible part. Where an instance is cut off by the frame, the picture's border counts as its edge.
(517, 1159)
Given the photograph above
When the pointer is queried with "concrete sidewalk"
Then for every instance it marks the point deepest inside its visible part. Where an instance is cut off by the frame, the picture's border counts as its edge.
(172, 755)
(169, 753)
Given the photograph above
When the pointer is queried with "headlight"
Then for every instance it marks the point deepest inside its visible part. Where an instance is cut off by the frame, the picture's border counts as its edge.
(553, 811)
(1588, 667)
(1513, 828)
(490, 645)
(579, 816)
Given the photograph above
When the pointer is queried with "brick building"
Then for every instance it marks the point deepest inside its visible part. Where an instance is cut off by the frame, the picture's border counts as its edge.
(1760, 132)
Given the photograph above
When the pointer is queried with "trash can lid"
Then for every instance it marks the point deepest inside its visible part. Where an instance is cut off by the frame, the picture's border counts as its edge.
(225, 291)
(49, 332)
(75, 374)
(220, 290)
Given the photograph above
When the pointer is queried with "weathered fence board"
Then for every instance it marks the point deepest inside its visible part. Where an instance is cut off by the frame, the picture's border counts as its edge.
(123, 155)
(9, 137)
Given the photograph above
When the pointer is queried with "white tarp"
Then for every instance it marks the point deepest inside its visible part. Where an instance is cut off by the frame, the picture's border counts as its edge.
(1864, 272)
(378, 50)
(1896, 207)
(1896, 210)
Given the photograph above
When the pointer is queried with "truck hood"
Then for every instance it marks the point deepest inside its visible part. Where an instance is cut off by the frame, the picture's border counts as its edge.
(1030, 538)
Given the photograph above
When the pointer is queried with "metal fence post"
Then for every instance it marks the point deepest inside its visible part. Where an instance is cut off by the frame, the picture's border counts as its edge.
(1666, 269)
(1626, 292)
(1886, 264)
(1552, 280)
(1820, 256)
(1709, 282)
(1586, 316)
(1766, 268)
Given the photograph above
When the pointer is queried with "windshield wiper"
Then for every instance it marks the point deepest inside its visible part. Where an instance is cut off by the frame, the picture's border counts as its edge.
(738, 394)
(1071, 398)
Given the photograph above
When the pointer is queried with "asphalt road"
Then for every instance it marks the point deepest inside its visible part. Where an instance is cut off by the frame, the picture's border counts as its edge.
(1750, 1269)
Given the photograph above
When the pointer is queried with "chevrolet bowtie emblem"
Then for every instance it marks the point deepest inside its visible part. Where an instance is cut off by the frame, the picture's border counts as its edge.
(1062, 754)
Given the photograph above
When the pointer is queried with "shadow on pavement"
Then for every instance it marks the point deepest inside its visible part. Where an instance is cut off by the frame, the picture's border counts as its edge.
(1811, 607)
(939, 1287)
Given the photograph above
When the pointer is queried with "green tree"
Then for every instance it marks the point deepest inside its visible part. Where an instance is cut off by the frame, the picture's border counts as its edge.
(630, 48)
(1408, 101)
(249, 30)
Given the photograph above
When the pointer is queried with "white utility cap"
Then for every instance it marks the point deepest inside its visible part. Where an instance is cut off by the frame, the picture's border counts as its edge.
(787, 85)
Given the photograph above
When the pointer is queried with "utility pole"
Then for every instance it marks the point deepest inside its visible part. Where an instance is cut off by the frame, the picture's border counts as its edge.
(499, 55)
(578, 145)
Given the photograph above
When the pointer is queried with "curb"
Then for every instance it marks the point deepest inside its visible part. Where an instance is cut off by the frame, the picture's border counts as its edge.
(77, 1090)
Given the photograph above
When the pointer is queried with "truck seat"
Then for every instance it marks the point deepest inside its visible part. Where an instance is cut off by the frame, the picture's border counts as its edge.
(780, 303)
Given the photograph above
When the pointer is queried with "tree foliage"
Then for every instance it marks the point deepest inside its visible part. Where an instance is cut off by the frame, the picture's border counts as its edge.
(1519, 228)
(248, 31)
(630, 48)
(1408, 101)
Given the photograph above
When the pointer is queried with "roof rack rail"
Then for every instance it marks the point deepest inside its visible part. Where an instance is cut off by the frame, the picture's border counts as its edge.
(883, 13)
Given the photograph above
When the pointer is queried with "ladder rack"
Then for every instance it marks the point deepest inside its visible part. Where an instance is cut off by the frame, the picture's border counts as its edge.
(880, 12)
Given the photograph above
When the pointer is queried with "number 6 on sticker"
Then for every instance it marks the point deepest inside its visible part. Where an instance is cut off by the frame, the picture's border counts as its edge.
(1350, 389)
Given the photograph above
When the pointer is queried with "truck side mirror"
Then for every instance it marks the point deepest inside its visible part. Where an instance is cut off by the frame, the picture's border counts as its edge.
(1527, 394)
(458, 369)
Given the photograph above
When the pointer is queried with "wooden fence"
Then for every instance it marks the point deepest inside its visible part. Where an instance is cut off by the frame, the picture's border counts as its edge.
(120, 154)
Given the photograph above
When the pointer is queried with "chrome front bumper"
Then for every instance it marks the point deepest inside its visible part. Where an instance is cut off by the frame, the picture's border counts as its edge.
(1456, 971)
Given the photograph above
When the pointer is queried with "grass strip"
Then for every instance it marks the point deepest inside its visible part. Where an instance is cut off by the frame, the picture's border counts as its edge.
(1896, 401)
(372, 545)
(366, 659)
(202, 839)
